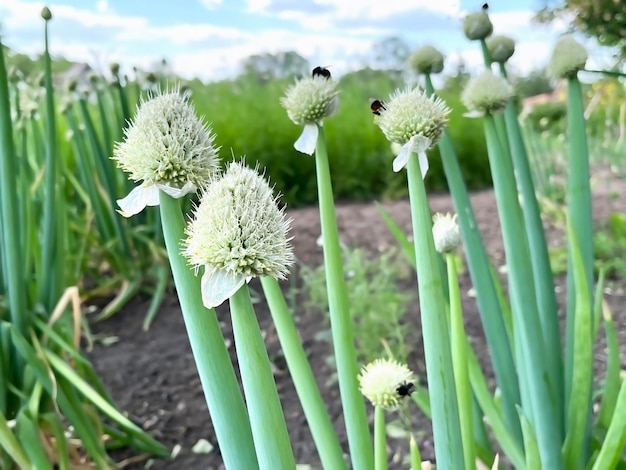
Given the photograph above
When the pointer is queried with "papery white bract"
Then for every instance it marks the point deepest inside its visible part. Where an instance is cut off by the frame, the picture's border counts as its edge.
(143, 196)
(218, 286)
(417, 144)
(307, 141)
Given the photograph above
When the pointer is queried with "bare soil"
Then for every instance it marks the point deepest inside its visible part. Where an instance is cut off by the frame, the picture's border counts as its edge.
(152, 376)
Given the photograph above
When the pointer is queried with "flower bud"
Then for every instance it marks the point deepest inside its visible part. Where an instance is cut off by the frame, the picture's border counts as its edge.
(114, 67)
(477, 25)
(486, 94)
(568, 57)
(46, 14)
(501, 48)
(427, 60)
(446, 233)
(386, 382)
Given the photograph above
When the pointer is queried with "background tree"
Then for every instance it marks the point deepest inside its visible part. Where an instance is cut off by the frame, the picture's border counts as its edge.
(282, 65)
(604, 20)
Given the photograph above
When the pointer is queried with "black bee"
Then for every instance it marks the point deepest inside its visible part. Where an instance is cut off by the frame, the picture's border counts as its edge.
(405, 389)
(322, 72)
(376, 106)
(485, 6)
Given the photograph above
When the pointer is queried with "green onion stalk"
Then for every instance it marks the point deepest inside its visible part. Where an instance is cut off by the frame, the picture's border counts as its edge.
(308, 102)
(324, 435)
(459, 343)
(437, 346)
(480, 272)
(530, 345)
(542, 271)
(52, 253)
(569, 57)
(269, 430)
(341, 327)
(380, 439)
(219, 383)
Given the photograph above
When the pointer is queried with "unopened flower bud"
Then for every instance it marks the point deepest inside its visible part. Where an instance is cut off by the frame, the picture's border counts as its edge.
(446, 233)
(477, 25)
(501, 48)
(46, 14)
(427, 60)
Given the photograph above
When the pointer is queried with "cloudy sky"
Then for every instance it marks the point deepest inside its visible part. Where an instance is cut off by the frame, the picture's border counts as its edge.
(209, 38)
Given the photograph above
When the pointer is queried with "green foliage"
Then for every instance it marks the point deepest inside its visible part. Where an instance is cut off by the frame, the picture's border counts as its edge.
(48, 390)
(536, 83)
(33, 67)
(377, 303)
(609, 248)
(247, 116)
(604, 20)
(548, 117)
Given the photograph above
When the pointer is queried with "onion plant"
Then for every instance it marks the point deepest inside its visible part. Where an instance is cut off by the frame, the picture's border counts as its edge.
(550, 423)
(50, 396)
(540, 414)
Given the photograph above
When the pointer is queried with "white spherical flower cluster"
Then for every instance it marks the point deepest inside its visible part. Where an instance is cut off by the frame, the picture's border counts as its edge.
(238, 232)
(166, 147)
(415, 121)
(486, 93)
(307, 102)
(386, 382)
(167, 143)
(568, 57)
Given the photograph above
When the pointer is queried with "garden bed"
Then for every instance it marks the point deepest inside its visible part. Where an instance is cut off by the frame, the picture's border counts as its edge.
(151, 375)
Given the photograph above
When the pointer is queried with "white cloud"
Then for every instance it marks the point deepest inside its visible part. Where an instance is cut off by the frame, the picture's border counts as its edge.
(377, 9)
(339, 33)
(211, 4)
(222, 62)
(102, 6)
(181, 34)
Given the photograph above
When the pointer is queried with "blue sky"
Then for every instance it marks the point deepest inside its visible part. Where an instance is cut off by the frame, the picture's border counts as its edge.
(209, 38)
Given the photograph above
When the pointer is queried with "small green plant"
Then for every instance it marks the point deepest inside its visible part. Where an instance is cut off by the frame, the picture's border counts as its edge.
(378, 304)
(609, 248)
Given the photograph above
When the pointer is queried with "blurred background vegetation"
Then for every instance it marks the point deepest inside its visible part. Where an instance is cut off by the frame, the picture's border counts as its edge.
(248, 119)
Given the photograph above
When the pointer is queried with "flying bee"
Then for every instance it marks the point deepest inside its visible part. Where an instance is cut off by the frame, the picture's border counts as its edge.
(376, 106)
(405, 389)
(322, 72)
(485, 6)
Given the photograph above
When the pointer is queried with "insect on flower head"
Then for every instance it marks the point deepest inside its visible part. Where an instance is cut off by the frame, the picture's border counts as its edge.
(308, 102)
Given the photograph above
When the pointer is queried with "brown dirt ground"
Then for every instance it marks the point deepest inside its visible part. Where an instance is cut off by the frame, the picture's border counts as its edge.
(151, 375)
